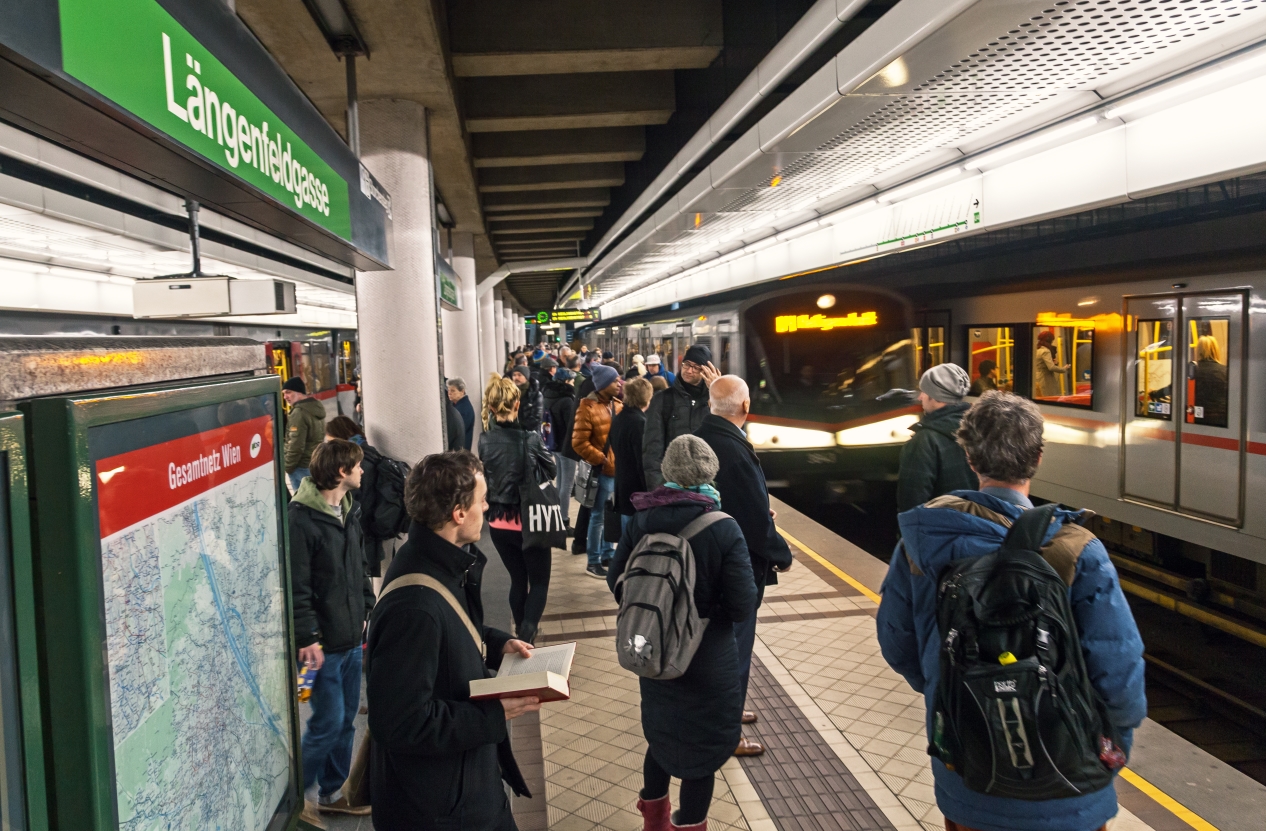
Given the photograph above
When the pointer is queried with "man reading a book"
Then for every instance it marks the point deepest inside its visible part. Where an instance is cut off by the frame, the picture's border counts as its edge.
(438, 757)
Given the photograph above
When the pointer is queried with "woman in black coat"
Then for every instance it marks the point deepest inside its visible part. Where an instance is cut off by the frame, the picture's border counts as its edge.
(626, 443)
(513, 455)
(691, 723)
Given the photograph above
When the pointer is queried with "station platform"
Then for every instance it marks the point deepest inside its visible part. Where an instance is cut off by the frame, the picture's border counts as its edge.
(844, 734)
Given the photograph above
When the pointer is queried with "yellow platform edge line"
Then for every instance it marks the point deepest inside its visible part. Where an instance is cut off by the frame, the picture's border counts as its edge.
(1154, 793)
(829, 565)
(1167, 802)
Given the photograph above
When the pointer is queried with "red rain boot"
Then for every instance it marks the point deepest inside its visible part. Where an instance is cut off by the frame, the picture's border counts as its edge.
(655, 813)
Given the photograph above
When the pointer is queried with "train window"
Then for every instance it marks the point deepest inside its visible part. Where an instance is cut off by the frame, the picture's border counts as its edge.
(1063, 364)
(992, 358)
(723, 355)
(1207, 365)
(1154, 384)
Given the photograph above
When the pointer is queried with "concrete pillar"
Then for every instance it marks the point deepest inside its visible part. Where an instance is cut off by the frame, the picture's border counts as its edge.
(488, 348)
(400, 362)
(461, 329)
(499, 323)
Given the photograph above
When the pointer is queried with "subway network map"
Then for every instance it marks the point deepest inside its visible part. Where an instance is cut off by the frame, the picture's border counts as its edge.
(196, 636)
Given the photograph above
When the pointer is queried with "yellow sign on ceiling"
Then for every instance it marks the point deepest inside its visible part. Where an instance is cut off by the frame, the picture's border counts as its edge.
(822, 323)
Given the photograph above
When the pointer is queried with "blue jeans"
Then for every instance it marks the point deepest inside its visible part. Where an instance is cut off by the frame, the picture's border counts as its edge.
(300, 473)
(599, 550)
(745, 638)
(566, 477)
(327, 744)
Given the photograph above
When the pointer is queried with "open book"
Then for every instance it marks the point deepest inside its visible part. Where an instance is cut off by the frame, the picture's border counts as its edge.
(544, 675)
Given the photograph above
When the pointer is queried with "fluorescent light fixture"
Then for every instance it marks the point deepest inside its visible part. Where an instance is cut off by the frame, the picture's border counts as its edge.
(1209, 79)
(921, 184)
(1019, 147)
(776, 437)
(889, 431)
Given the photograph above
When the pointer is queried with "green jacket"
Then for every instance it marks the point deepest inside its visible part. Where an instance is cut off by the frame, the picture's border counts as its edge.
(932, 463)
(305, 429)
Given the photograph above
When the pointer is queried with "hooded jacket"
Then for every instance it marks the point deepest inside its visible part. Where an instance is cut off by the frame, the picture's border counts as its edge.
(305, 429)
(438, 758)
(330, 586)
(932, 462)
(674, 412)
(959, 526)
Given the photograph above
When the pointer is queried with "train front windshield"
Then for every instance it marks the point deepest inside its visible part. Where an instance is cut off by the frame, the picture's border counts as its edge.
(826, 357)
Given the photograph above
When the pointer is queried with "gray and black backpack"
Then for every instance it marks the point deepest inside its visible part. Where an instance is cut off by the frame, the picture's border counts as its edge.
(658, 628)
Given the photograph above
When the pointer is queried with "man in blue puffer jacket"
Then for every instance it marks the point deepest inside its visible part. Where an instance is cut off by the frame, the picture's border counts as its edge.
(1002, 436)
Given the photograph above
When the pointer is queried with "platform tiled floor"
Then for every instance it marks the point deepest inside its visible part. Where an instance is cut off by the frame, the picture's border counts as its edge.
(845, 733)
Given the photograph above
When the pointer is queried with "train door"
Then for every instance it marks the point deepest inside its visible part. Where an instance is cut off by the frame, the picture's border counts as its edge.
(1183, 428)
(724, 353)
(279, 359)
(931, 340)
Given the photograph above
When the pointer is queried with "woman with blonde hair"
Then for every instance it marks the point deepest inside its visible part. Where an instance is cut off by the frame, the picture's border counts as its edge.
(511, 457)
(1210, 400)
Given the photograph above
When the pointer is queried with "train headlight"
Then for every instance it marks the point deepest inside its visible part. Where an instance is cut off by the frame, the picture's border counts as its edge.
(889, 431)
(775, 437)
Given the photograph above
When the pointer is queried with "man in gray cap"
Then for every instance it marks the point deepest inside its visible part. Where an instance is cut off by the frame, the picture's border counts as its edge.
(932, 462)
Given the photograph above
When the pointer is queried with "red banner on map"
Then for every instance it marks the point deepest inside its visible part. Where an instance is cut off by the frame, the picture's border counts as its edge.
(135, 485)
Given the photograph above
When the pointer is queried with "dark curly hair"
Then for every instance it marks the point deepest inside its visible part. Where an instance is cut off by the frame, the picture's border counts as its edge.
(439, 484)
(1002, 436)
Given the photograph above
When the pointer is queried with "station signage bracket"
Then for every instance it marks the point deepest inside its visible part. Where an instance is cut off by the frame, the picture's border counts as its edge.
(548, 316)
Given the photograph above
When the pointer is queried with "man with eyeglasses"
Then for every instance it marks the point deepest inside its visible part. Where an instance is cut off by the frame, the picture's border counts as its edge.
(678, 410)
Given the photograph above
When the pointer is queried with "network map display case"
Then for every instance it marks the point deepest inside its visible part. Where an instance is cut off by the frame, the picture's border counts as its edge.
(166, 603)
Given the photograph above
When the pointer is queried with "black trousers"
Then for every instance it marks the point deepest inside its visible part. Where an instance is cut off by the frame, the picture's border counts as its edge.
(581, 529)
(529, 578)
(696, 794)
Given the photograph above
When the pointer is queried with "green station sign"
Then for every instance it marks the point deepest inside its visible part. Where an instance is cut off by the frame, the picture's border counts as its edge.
(140, 58)
(544, 317)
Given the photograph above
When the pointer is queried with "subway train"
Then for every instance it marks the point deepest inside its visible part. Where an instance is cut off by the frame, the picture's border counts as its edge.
(1151, 390)
(828, 367)
(325, 359)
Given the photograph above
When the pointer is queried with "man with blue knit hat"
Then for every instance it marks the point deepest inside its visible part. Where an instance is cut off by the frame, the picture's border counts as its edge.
(932, 463)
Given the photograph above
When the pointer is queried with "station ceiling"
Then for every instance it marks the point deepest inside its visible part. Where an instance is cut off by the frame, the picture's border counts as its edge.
(547, 118)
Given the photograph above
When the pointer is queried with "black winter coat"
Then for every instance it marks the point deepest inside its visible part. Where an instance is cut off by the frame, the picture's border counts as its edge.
(674, 412)
(456, 428)
(691, 723)
(560, 403)
(329, 578)
(438, 758)
(503, 448)
(467, 411)
(531, 406)
(744, 496)
(626, 443)
(932, 462)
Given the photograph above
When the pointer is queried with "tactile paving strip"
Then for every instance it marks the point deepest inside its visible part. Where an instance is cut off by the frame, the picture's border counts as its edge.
(803, 784)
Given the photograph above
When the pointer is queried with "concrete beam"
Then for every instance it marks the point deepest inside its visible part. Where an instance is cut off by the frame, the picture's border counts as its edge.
(545, 147)
(550, 236)
(512, 244)
(503, 217)
(558, 102)
(547, 200)
(536, 227)
(551, 177)
(477, 65)
(509, 37)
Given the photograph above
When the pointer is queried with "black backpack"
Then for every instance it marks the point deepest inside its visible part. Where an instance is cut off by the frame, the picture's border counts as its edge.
(385, 507)
(1015, 714)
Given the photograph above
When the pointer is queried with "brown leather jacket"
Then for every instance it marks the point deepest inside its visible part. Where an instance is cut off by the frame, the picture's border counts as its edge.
(592, 426)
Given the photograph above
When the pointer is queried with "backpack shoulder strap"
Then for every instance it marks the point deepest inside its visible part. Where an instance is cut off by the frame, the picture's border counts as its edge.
(702, 522)
(429, 582)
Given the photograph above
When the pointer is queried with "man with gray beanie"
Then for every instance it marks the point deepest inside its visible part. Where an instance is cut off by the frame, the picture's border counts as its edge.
(932, 462)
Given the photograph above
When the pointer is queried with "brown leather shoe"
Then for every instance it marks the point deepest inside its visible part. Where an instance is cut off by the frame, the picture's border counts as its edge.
(749, 717)
(342, 806)
(310, 817)
(747, 747)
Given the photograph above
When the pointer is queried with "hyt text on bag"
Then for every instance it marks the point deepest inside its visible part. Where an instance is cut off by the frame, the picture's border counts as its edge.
(658, 628)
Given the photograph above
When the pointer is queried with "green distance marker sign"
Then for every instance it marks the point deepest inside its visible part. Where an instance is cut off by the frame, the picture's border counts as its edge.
(135, 54)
